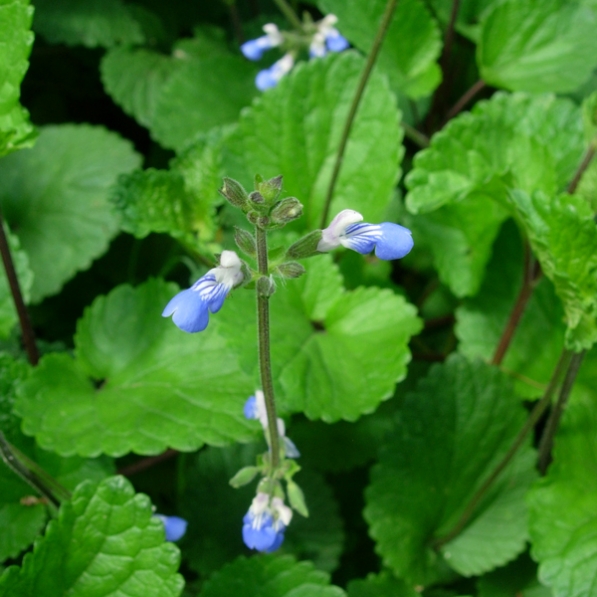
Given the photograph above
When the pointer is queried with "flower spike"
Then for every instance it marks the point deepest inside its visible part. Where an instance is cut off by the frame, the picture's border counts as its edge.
(190, 308)
(390, 241)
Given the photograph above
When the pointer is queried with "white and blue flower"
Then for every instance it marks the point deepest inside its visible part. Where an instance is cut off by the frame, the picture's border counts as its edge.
(174, 526)
(265, 523)
(390, 241)
(327, 38)
(255, 48)
(190, 308)
(269, 77)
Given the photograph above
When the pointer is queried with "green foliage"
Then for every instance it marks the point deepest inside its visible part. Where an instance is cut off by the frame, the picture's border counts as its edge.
(105, 527)
(270, 576)
(300, 122)
(326, 339)
(459, 422)
(538, 46)
(379, 586)
(562, 515)
(54, 198)
(136, 383)
(413, 34)
(16, 131)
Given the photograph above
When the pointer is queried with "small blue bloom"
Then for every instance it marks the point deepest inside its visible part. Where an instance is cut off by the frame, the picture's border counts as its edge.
(250, 409)
(264, 524)
(335, 41)
(269, 77)
(190, 308)
(174, 526)
(390, 241)
(327, 38)
(255, 48)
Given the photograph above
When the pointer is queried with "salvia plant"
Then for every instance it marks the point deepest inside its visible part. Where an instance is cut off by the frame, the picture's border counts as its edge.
(298, 299)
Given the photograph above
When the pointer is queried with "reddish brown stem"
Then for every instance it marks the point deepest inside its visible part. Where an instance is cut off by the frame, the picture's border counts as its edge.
(464, 100)
(145, 463)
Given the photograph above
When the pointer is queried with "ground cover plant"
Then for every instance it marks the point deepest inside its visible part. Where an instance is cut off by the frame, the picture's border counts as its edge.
(299, 298)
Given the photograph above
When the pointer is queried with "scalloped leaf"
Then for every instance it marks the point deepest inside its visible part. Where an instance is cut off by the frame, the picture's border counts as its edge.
(413, 35)
(55, 198)
(338, 354)
(449, 435)
(562, 514)
(16, 132)
(295, 129)
(270, 576)
(137, 383)
(92, 23)
(563, 236)
(526, 45)
(104, 542)
(380, 585)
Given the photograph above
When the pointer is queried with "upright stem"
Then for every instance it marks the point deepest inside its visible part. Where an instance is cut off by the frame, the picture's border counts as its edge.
(464, 100)
(17, 296)
(587, 158)
(356, 100)
(289, 13)
(535, 415)
(265, 364)
(546, 444)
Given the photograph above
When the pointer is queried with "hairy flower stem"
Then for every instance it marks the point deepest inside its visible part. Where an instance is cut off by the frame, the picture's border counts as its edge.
(289, 13)
(563, 364)
(32, 473)
(17, 297)
(546, 444)
(265, 363)
(356, 100)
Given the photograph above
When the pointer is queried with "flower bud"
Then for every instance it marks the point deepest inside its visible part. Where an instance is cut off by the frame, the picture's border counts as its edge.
(234, 192)
(287, 210)
(245, 241)
(270, 189)
(244, 476)
(256, 197)
(305, 247)
(265, 286)
(291, 269)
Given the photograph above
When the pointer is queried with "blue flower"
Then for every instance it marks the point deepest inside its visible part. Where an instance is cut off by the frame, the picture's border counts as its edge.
(174, 526)
(265, 523)
(269, 77)
(190, 308)
(327, 38)
(255, 48)
(390, 241)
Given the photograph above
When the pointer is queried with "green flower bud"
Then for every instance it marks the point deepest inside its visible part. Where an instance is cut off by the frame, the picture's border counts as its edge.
(245, 241)
(244, 476)
(235, 193)
(305, 247)
(265, 286)
(270, 189)
(297, 498)
(287, 210)
(291, 269)
(256, 197)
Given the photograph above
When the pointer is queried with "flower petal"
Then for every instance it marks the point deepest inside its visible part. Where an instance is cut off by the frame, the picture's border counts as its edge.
(250, 409)
(396, 241)
(260, 534)
(254, 48)
(335, 41)
(361, 237)
(174, 526)
(189, 311)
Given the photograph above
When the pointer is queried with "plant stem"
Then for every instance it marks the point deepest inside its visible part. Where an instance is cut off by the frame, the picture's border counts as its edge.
(532, 273)
(464, 100)
(292, 17)
(32, 473)
(265, 364)
(237, 25)
(535, 415)
(546, 444)
(17, 297)
(356, 100)
(589, 155)
(145, 463)
(415, 136)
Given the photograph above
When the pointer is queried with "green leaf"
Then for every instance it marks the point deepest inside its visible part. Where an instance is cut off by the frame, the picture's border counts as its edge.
(449, 436)
(137, 383)
(413, 35)
(295, 129)
(337, 354)
(563, 236)
(104, 528)
(563, 519)
(380, 585)
(517, 578)
(16, 131)
(135, 77)
(8, 313)
(214, 535)
(480, 321)
(529, 46)
(91, 23)
(512, 141)
(55, 198)
(269, 576)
